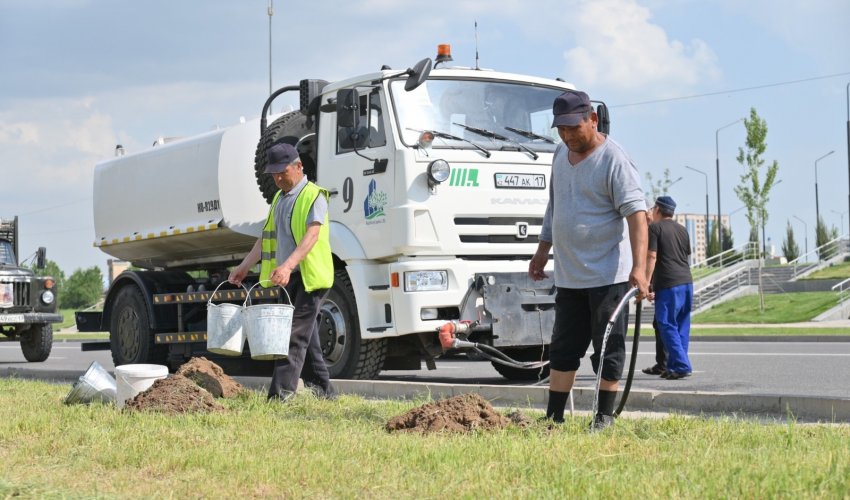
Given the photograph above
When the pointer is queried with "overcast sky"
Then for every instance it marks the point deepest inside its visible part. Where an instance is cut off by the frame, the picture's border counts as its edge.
(80, 76)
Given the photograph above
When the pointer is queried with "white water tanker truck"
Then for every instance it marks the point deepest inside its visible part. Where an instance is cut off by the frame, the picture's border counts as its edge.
(438, 180)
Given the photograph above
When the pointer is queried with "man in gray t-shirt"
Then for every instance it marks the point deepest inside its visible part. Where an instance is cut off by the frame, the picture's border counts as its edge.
(596, 224)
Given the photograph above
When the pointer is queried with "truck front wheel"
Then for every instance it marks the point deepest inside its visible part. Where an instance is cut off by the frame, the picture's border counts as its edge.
(347, 355)
(37, 342)
(130, 334)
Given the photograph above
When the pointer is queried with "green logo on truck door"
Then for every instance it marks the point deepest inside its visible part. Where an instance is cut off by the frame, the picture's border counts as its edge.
(464, 177)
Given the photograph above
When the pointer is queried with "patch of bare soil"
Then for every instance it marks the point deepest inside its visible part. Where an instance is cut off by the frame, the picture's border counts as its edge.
(173, 395)
(211, 377)
(463, 413)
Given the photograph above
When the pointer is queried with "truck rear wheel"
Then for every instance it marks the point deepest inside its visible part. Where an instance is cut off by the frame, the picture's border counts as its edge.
(346, 354)
(289, 128)
(130, 334)
(523, 354)
(37, 342)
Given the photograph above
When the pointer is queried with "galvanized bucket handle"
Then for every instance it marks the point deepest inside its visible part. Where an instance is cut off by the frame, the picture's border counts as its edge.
(248, 298)
(209, 302)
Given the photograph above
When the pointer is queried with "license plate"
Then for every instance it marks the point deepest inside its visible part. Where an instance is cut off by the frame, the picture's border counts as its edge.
(11, 318)
(521, 181)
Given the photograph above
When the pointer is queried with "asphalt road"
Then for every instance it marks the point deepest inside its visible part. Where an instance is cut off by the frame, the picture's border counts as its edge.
(819, 369)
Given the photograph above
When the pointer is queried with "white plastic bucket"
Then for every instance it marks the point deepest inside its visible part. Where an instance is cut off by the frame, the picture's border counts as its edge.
(268, 327)
(133, 379)
(225, 334)
(95, 385)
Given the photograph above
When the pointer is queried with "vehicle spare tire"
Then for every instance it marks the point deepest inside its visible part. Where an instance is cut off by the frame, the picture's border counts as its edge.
(290, 128)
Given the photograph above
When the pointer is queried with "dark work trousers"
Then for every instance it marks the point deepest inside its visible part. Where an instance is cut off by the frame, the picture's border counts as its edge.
(660, 353)
(305, 358)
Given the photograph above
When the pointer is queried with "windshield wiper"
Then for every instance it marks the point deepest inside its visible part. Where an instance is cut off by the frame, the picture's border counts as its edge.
(530, 135)
(444, 135)
(493, 135)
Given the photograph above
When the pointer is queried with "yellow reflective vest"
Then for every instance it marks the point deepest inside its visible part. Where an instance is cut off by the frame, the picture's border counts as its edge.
(317, 269)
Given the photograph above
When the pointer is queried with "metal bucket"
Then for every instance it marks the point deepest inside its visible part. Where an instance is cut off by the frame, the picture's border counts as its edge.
(268, 327)
(95, 385)
(225, 334)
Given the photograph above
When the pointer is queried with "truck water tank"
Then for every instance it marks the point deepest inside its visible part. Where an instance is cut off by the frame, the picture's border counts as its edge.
(181, 203)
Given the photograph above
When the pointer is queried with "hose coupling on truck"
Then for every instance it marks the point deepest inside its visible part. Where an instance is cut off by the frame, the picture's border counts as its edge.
(448, 332)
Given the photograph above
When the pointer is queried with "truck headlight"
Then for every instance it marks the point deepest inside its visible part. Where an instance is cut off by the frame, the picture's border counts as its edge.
(47, 297)
(426, 281)
(438, 172)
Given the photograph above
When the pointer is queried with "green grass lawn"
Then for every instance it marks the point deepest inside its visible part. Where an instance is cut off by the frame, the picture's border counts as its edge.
(835, 271)
(310, 448)
(779, 308)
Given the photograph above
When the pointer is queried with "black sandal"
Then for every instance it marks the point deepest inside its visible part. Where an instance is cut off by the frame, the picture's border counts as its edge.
(653, 370)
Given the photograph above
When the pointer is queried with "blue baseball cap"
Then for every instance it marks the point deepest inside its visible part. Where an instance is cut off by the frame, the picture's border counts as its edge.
(279, 156)
(569, 108)
(666, 203)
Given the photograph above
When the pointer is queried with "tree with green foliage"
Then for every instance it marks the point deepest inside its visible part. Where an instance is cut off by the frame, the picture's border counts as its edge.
(83, 288)
(713, 244)
(659, 187)
(790, 249)
(823, 237)
(754, 191)
(728, 241)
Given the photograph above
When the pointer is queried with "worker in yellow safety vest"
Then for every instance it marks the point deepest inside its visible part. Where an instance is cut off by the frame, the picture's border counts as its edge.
(294, 252)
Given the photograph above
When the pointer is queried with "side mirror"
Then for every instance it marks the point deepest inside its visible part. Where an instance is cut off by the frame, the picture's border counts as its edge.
(41, 258)
(604, 121)
(347, 102)
(418, 74)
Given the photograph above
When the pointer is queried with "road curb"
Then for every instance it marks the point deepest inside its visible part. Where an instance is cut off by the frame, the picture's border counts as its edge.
(815, 409)
(804, 408)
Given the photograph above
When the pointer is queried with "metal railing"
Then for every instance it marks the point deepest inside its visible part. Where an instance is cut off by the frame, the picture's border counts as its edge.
(843, 290)
(830, 250)
(749, 250)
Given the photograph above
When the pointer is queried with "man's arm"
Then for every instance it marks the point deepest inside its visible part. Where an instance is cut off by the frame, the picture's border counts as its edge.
(539, 260)
(639, 240)
(238, 274)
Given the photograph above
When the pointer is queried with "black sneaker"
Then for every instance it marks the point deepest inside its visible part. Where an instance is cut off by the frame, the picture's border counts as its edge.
(601, 422)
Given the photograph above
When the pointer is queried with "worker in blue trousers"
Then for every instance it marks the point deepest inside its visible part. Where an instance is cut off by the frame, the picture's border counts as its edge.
(669, 271)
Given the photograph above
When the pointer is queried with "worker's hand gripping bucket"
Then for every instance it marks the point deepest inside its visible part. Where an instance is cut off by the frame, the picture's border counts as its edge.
(268, 327)
(225, 332)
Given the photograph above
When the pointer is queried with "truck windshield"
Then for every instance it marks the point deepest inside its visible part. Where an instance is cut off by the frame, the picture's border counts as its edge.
(7, 254)
(513, 116)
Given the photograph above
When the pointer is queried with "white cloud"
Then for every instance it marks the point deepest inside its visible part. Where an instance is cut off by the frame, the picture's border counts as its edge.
(618, 46)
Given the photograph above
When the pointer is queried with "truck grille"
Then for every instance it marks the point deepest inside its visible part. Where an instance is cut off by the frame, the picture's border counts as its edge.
(508, 225)
(20, 293)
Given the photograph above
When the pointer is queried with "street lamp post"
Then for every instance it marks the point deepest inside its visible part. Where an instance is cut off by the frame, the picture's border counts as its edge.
(717, 164)
(706, 205)
(805, 235)
(817, 206)
(848, 147)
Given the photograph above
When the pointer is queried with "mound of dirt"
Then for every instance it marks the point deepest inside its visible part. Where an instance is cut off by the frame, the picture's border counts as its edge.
(174, 394)
(462, 413)
(211, 377)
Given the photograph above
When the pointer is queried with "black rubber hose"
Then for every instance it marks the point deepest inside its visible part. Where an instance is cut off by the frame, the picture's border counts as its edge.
(631, 374)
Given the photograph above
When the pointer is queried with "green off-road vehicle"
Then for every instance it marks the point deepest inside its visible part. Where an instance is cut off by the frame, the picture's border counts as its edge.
(27, 301)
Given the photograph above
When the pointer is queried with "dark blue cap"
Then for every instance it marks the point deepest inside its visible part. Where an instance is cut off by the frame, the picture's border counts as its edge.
(569, 108)
(666, 204)
(279, 156)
